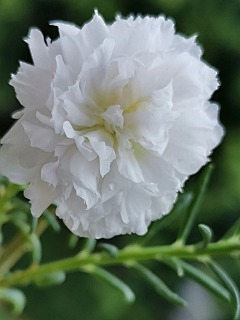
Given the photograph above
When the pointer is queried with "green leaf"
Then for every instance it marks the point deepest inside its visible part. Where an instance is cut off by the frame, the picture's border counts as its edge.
(89, 245)
(182, 204)
(22, 226)
(110, 249)
(21, 205)
(16, 214)
(4, 180)
(158, 285)
(112, 280)
(13, 189)
(52, 221)
(234, 231)
(200, 277)
(32, 238)
(51, 279)
(73, 240)
(206, 233)
(178, 267)
(194, 207)
(14, 297)
(232, 287)
(36, 248)
(34, 222)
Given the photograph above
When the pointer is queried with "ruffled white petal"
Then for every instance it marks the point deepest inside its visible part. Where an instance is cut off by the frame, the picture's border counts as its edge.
(32, 86)
(10, 167)
(128, 165)
(93, 33)
(40, 196)
(102, 143)
(39, 50)
(41, 137)
(116, 118)
(87, 173)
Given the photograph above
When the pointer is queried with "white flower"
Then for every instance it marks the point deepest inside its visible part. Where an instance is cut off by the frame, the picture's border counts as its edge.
(115, 119)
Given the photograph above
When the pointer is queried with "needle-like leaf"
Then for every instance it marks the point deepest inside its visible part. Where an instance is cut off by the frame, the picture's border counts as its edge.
(233, 231)
(180, 207)
(36, 247)
(14, 297)
(113, 281)
(194, 207)
(34, 222)
(22, 226)
(55, 278)
(52, 221)
(232, 287)
(109, 248)
(200, 277)
(89, 245)
(73, 240)
(206, 233)
(16, 213)
(177, 266)
(159, 286)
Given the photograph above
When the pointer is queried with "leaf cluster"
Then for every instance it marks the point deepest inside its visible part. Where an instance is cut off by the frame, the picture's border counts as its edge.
(93, 258)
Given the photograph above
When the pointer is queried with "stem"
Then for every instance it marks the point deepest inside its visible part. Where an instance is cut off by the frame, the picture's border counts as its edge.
(17, 247)
(131, 253)
(6, 195)
(12, 253)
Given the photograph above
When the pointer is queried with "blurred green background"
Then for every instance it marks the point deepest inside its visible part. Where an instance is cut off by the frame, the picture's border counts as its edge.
(217, 22)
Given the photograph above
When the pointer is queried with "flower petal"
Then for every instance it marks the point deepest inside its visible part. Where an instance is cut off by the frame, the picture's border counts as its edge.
(10, 166)
(102, 144)
(93, 33)
(41, 196)
(38, 49)
(32, 86)
(114, 116)
(41, 137)
(128, 165)
(85, 171)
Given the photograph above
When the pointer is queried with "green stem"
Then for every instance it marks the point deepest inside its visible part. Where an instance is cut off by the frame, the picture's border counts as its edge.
(131, 253)
(17, 247)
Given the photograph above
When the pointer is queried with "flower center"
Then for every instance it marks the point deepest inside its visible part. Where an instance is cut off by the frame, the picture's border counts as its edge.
(113, 118)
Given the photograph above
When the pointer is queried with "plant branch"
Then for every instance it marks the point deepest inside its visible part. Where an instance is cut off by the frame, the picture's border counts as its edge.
(124, 256)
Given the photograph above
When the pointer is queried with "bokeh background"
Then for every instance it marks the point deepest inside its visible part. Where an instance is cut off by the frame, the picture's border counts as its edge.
(217, 22)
